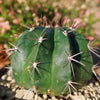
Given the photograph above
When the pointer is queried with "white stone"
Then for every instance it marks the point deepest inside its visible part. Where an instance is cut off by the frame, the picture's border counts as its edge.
(45, 96)
(24, 94)
(4, 77)
(9, 78)
(8, 85)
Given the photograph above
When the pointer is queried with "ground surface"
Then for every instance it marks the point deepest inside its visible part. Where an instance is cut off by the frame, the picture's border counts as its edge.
(11, 91)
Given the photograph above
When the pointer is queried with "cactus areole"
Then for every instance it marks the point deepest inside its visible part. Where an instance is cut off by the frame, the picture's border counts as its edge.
(52, 61)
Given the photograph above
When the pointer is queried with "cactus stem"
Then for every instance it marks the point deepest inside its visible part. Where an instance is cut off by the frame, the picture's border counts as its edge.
(69, 85)
(34, 66)
(93, 49)
(93, 70)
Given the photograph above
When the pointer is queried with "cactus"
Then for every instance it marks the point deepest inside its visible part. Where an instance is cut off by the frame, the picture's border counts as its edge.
(52, 61)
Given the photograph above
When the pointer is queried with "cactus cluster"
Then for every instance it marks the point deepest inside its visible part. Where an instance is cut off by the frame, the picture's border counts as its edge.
(51, 61)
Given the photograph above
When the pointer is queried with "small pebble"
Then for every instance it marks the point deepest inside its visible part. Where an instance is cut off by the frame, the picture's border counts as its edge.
(68, 97)
(91, 84)
(99, 96)
(9, 73)
(54, 98)
(91, 94)
(9, 78)
(87, 95)
(8, 85)
(39, 98)
(36, 97)
(14, 89)
(97, 84)
(75, 93)
(96, 98)
(79, 93)
(13, 81)
(45, 96)
(94, 95)
(4, 77)
(24, 94)
(86, 91)
(88, 99)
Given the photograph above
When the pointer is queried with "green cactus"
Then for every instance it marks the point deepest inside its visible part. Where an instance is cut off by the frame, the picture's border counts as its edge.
(51, 60)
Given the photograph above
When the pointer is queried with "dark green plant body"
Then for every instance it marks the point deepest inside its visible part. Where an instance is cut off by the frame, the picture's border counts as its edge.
(53, 65)
(79, 44)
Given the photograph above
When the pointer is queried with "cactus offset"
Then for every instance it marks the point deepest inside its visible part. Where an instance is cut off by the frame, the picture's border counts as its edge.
(52, 60)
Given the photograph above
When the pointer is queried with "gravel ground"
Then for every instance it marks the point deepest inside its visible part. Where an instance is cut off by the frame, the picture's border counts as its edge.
(11, 91)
